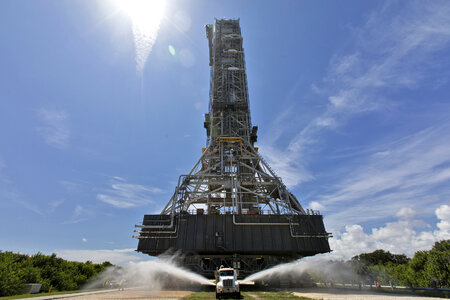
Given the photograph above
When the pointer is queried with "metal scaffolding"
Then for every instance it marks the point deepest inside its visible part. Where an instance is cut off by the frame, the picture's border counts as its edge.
(230, 176)
(231, 186)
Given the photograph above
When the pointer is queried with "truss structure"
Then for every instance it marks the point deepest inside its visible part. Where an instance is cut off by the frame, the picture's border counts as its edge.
(231, 177)
(231, 209)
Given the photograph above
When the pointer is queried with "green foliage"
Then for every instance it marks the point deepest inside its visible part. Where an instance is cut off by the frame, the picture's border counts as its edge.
(10, 283)
(49, 270)
(437, 268)
(426, 269)
(377, 265)
(381, 257)
(442, 246)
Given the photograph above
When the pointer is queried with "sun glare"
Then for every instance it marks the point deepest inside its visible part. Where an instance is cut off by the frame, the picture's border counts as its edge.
(146, 16)
(144, 13)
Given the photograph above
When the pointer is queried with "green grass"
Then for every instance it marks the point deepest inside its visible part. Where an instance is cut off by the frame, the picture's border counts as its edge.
(247, 296)
(202, 296)
(46, 294)
(275, 295)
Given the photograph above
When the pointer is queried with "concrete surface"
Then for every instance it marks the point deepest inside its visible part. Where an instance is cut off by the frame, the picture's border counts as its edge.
(329, 294)
(339, 294)
(116, 294)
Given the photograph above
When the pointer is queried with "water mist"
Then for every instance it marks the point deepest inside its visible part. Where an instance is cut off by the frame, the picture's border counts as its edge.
(155, 274)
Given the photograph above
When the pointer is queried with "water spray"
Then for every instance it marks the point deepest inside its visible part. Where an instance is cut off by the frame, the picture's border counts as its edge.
(155, 275)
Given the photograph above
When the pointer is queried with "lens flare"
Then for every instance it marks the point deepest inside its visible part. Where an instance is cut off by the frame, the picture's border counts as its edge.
(172, 50)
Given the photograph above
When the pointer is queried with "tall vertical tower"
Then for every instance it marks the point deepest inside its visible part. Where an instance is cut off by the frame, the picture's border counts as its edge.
(231, 208)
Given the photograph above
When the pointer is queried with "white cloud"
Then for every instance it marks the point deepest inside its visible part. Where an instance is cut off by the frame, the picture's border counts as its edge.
(29, 205)
(70, 186)
(55, 129)
(406, 213)
(345, 64)
(408, 176)
(84, 240)
(126, 195)
(54, 205)
(9, 192)
(316, 205)
(116, 256)
(443, 214)
(118, 178)
(287, 165)
(79, 211)
(357, 82)
(79, 214)
(337, 101)
(400, 237)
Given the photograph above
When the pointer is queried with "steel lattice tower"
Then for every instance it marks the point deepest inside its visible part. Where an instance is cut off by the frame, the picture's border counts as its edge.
(231, 208)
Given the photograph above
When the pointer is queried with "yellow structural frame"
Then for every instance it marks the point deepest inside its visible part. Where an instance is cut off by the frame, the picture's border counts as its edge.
(229, 139)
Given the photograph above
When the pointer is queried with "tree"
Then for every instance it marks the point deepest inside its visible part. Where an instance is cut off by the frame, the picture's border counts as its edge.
(437, 268)
(18, 269)
(443, 245)
(381, 257)
(10, 283)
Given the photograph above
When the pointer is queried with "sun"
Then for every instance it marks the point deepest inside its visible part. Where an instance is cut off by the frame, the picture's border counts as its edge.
(145, 14)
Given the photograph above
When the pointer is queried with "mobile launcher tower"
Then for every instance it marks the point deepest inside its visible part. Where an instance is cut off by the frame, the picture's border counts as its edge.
(231, 209)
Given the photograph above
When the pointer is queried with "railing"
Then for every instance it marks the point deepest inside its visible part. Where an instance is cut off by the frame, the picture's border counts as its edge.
(309, 212)
(375, 286)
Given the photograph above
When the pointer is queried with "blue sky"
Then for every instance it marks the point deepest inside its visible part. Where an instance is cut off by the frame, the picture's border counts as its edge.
(352, 103)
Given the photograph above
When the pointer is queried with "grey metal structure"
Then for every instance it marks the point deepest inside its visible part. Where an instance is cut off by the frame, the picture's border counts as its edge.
(231, 208)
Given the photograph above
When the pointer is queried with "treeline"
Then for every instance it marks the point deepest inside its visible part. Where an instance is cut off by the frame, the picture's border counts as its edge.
(430, 269)
(425, 269)
(16, 270)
